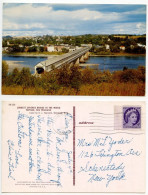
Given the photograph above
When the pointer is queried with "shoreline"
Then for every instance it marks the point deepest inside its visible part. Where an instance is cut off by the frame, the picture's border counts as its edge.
(54, 55)
(32, 55)
(116, 55)
(29, 55)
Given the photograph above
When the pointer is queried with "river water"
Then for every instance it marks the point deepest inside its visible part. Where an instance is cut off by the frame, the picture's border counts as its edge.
(111, 63)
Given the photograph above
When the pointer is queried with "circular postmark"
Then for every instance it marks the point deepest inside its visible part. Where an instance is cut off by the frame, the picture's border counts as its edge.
(63, 123)
(131, 117)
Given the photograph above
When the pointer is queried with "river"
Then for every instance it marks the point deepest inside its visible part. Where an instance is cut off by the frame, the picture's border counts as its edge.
(111, 63)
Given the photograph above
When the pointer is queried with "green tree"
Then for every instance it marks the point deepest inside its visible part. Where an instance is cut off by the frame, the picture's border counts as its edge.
(32, 49)
(4, 71)
(15, 76)
(41, 49)
(75, 77)
(25, 77)
(63, 75)
(64, 50)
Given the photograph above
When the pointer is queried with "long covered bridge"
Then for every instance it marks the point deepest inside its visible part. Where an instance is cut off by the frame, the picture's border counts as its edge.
(74, 57)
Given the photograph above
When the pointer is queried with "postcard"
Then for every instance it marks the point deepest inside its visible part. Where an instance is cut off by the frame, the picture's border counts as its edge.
(73, 146)
(74, 49)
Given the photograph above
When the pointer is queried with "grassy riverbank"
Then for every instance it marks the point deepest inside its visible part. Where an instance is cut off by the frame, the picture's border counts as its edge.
(74, 81)
(42, 54)
(116, 54)
(32, 54)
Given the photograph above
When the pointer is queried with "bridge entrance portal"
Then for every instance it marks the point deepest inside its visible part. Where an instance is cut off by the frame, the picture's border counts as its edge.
(40, 70)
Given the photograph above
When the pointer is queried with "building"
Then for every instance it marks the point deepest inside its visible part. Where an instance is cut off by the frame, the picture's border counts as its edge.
(58, 47)
(141, 45)
(5, 49)
(50, 48)
(107, 47)
(122, 48)
(72, 48)
(86, 45)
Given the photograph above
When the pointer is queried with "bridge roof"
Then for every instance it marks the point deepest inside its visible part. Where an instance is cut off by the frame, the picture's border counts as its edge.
(56, 59)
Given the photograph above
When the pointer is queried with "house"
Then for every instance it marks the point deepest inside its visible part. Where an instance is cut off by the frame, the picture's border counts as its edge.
(77, 47)
(72, 48)
(50, 48)
(122, 48)
(5, 49)
(141, 45)
(58, 47)
(86, 45)
(99, 46)
(107, 47)
(20, 45)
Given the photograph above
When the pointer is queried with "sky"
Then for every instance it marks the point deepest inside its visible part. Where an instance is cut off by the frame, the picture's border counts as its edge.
(33, 19)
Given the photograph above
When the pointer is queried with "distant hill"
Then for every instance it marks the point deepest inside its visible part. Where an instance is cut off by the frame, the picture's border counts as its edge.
(7, 37)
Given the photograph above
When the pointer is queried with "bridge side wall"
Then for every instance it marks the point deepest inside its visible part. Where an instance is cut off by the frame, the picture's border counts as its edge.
(81, 57)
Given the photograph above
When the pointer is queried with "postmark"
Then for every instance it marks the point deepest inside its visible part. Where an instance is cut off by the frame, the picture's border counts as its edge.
(131, 117)
(63, 123)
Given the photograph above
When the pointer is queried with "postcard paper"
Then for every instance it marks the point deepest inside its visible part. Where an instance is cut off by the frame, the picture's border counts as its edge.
(73, 146)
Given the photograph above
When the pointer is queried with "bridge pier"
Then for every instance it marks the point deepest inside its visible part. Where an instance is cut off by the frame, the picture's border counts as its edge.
(77, 62)
(82, 59)
(86, 56)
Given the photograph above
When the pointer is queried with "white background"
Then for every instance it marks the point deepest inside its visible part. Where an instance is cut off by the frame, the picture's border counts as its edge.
(73, 98)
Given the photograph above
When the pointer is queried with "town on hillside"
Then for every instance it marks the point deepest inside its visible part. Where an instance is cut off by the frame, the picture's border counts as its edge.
(100, 44)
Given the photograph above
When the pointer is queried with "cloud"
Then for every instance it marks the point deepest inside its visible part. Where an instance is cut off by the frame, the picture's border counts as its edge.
(127, 28)
(44, 18)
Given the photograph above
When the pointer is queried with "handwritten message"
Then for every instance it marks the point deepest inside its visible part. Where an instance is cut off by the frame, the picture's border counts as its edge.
(43, 146)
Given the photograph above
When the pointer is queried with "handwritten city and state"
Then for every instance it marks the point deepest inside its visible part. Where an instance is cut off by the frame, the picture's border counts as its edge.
(53, 147)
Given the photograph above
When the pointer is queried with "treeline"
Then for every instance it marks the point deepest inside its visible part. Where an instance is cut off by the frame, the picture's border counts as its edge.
(74, 81)
(40, 49)
(77, 40)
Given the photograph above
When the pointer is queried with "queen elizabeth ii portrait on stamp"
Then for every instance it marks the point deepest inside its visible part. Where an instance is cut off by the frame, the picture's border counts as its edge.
(131, 117)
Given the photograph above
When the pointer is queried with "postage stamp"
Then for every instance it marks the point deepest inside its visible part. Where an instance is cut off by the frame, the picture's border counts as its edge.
(131, 117)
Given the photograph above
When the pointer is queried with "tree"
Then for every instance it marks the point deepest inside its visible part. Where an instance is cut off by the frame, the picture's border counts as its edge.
(64, 50)
(115, 48)
(88, 75)
(41, 49)
(75, 77)
(4, 71)
(63, 75)
(15, 76)
(32, 49)
(16, 48)
(25, 77)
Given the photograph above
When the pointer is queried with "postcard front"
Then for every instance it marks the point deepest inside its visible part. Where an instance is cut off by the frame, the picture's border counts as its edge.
(73, 147)
(88, 49)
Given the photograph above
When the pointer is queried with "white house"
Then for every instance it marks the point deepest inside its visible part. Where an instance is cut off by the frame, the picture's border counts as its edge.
(107, 47)
(50, 48)
(72, 48)
(122, 48)
(141, 45)
(4, 48)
